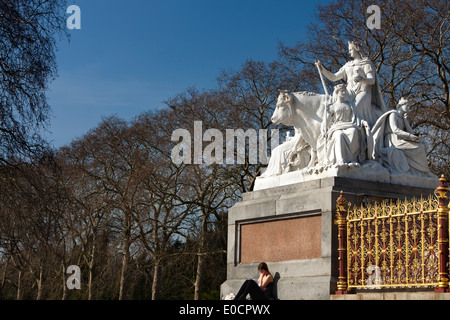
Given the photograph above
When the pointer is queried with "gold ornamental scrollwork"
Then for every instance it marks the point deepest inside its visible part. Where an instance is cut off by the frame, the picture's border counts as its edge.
(402, 240)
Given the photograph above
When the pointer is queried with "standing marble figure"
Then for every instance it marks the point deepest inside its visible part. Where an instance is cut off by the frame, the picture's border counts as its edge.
(362, 81)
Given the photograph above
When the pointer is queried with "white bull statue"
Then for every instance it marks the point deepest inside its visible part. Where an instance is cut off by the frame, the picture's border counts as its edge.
(305, 112)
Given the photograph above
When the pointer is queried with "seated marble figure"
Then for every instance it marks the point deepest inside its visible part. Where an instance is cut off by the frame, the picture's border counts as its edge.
(343, 133)
(396, 145)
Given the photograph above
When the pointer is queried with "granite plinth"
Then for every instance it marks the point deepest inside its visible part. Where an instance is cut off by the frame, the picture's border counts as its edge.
(291, 228)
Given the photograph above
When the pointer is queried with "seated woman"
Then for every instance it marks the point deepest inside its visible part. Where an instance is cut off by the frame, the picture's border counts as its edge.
(396, 146)
(342, 143)
(258, 291)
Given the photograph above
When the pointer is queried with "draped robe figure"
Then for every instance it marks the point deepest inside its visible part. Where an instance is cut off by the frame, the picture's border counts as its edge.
(396, 146)
(293, 154)
(344, 139)
(362, 81)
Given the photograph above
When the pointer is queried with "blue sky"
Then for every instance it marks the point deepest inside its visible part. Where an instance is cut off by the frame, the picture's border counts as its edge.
(130, 56)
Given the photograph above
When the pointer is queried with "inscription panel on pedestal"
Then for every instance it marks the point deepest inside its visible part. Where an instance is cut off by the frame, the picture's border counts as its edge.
(281, 240)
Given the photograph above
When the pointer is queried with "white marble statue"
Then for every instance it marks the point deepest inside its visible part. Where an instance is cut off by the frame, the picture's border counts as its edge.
(293, 154)
(350, 133)
(396, 146)
(304, 111)
(344, 139)
(362, 81)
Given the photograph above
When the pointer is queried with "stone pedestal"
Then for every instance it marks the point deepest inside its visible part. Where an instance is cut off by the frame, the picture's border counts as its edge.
(291, 228)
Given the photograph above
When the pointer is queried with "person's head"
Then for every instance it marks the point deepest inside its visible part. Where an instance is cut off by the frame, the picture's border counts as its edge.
(263, 268)
(340, 92)
(354, 49)
(403, 106)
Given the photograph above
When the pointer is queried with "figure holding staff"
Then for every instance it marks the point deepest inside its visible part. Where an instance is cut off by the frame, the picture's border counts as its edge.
(327, 98)
(362, 82)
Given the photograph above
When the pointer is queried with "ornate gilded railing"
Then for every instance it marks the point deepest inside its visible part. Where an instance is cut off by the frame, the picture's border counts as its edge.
(400, 244)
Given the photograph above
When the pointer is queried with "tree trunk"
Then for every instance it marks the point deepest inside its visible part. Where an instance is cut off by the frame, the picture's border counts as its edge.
(2, 285)
(201, 260)
(199, 277)
(19, 280)
(126, 253)
(126, 249)
(64, 282)
(156, 280)
(91, 266)
(39, 285)
(90, 284)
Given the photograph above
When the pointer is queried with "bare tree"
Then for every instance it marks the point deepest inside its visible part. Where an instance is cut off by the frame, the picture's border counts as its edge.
(87, 212)
(29, 222)
(159, 215)
(28, 30)
(111, 159)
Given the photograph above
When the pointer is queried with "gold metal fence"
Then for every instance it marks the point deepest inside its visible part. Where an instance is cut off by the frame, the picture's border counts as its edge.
(400, 244)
